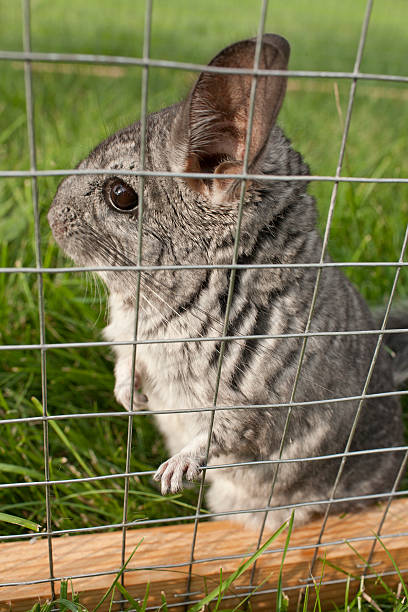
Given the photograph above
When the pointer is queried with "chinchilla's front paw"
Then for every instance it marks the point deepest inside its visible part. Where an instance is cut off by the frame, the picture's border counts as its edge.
(171, 472)
(123, 396)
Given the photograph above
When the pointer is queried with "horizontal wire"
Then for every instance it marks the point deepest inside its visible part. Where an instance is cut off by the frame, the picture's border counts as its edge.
(203, 560)
(266, 178)
(36, 56)
(253, 593)
(209, 515)
(371, 451)
(316, 334)
(89, 415)
(267, 266)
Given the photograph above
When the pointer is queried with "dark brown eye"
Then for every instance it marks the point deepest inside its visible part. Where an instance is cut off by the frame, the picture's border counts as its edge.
(121, 196)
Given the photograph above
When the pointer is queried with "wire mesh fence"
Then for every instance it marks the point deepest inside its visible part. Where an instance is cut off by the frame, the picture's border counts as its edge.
(398, 265)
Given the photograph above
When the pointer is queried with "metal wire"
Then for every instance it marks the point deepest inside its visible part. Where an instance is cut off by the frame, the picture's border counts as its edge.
(27, 56)
(145, 84)
(361, 402)
(320, 583)
(329, 219)
(401, 472)
(79, 415)
(244, 176)
(130, 570)
(283, 266)
(154, 63)
(127, 475)
(251, 109)
(209, 515)
(308, 334)
(37, 235)
(63, 345)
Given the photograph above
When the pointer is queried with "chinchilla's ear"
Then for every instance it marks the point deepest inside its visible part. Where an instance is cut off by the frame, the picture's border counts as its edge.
(210, 130)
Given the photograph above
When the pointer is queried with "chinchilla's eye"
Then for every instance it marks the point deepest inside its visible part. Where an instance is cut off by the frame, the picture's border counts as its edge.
(120, 195)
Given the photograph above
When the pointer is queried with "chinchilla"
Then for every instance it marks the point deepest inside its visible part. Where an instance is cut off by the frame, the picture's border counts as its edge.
(193, 221)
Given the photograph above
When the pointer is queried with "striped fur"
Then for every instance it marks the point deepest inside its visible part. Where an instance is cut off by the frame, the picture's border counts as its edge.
(182, 224)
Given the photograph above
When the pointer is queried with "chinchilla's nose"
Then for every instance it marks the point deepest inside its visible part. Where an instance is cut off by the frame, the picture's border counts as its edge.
(62, 218)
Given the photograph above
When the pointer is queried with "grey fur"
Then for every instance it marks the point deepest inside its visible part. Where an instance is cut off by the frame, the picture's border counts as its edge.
(194, 222)
(397, 344)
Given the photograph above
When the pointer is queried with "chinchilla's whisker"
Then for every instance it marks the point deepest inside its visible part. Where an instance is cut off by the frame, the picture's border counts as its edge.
(260, 350)
(216, 324)
(100, 295)
(178, 314)
(185, 325)
(151, 305)
(142, 308)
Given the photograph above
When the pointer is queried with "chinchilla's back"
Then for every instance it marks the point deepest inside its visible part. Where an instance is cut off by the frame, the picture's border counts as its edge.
(284, 409)
(396, 343)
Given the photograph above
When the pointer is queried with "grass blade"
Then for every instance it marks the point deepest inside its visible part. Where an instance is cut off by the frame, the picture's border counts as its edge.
(65, 604)
(163, 607)
(318, 586)
(64, 589)
(391, 558)
(347, 594)
(144, 604)
(18, 469)
(383, 584)
(116, 581)
(217, 605)
(281, 603)
(306, 599)
(17, 520)
(241, 603)
(64, 439)
(240, 570)
(112, 597)
(137, 606)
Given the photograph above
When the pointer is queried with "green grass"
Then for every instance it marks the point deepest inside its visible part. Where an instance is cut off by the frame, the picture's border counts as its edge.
(75, 107)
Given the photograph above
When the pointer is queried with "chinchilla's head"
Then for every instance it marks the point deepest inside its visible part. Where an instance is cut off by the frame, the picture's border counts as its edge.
(94, 218)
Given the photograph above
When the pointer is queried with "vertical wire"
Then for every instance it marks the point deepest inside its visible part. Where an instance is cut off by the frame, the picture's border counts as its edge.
(386, 509)
(38, 258)
(145, 84)
(361, 402)
(258, 47)
(362, 40)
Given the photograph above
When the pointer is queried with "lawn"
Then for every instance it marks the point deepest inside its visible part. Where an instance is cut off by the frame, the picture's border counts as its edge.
(78, 105)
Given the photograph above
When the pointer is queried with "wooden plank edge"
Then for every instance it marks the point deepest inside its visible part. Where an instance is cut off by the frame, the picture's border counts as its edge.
(160, 546)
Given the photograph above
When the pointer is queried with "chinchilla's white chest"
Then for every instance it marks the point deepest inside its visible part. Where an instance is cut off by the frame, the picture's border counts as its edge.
(158, 364)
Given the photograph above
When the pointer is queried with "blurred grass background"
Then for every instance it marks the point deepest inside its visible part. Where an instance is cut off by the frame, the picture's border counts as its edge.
(78, 105)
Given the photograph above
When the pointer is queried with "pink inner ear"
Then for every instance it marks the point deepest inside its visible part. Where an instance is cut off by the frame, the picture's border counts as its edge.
(197, 184)
(229, 167)
(227, 189)
(218, 108)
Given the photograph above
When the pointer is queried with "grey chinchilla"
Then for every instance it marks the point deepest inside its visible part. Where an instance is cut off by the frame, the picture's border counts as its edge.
(193, 221)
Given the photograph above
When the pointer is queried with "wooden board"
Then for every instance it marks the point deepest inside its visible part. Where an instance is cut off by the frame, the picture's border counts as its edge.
(100, 552)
